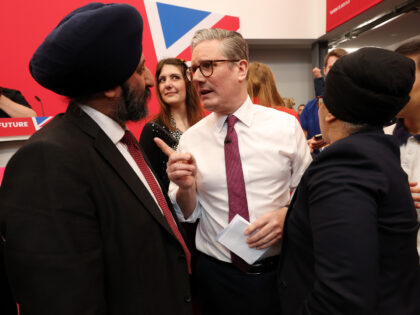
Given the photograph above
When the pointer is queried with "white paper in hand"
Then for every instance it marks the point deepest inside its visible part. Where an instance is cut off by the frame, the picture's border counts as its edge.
(234, 239)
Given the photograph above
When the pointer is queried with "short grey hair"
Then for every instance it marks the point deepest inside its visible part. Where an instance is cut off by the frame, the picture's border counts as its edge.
(234, 45)
(353, 128)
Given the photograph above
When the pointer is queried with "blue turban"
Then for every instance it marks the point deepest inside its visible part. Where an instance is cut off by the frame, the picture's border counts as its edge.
(93, 49)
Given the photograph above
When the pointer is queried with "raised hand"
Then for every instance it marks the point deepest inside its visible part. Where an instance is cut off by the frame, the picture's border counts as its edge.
(181, 167)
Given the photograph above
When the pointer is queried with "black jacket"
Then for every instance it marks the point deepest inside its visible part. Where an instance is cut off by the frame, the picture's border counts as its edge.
(350, 234)
(84, 236)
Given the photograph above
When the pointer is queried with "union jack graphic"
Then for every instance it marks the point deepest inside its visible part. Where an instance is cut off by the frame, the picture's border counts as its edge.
(167, 32)
(172, 27)
(39, 122)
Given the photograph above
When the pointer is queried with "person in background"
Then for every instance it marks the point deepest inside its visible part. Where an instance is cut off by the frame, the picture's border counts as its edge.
(262, 88)
(242, 159)
(309, 117)
(289, 102)
(14, 105)
(300, 109)
(350, 233)
(180, 108)
(407, 128)
(319, 81)
(88, 229)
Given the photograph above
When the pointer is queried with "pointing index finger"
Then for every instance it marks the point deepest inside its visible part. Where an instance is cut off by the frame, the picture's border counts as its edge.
(163, 146)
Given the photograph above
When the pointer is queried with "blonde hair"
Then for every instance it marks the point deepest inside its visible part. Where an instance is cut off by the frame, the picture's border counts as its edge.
(289, 102)
(261, 85)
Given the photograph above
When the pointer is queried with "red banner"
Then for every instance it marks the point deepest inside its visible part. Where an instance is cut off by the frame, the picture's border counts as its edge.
(340, 11)
(16, 127)
(11, 127)
(1, 173)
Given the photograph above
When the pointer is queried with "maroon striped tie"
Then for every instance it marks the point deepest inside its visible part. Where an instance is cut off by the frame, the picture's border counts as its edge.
(235, 182)
(135, 152)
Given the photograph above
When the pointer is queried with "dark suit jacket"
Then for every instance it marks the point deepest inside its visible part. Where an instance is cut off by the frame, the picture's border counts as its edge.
(350, 234)
(84, 236)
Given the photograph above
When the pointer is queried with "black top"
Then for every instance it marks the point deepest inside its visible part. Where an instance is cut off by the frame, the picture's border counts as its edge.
(15, 96)
(350, 235)
(157, 158)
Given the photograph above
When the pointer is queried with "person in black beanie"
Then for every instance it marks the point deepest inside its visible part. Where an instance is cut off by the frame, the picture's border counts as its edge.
(349, 243)
(85, 222)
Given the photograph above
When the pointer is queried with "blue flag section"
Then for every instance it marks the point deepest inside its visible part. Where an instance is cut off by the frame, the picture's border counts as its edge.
(176, 21)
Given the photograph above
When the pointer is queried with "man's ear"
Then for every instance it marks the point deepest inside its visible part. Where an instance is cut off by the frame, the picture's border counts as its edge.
(113, 93)
(330, 117)
(243, 70)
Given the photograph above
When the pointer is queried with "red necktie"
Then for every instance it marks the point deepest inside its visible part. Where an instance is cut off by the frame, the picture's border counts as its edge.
(135, 152)
(235, 182)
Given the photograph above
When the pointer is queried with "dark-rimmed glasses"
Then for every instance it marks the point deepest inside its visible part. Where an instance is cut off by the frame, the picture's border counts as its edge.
(206, 67)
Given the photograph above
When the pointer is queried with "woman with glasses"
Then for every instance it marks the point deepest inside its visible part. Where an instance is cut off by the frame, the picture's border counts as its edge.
(179, 109)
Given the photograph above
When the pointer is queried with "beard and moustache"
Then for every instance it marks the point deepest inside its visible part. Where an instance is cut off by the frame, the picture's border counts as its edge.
(132, 105)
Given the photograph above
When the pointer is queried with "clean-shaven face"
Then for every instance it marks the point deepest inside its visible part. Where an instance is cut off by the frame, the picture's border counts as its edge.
(330, 62)
(171, 85)
(413, 105)
(218, 90)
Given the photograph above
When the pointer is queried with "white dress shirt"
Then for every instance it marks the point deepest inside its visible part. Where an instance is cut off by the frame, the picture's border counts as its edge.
(274, 155)
(115, 132)
(410, 160)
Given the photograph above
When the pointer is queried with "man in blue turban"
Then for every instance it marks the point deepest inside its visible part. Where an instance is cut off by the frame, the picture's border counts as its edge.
(87, 227)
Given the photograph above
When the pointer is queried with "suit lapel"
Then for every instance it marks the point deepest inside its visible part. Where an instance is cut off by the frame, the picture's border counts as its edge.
(112, 155)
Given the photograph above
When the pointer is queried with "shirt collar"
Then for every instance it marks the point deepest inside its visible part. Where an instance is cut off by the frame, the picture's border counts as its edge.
(401, 133)
(111, 128)
(244, 113)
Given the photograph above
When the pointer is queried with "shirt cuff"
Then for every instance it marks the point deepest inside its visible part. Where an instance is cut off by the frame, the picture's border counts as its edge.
(173, 189)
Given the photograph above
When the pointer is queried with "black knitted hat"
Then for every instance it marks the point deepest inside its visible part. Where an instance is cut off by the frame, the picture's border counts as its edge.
(369, 86)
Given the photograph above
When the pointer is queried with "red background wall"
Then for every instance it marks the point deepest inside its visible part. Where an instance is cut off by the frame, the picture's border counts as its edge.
(23, 26)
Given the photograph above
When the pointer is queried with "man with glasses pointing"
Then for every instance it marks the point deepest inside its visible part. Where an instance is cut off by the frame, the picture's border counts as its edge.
(243, 159)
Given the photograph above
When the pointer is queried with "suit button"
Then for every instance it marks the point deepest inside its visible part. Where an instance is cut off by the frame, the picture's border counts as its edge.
(187, 299)
(283, 284)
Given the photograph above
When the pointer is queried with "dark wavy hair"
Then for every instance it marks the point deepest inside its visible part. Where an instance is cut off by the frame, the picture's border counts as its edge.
(193, 106)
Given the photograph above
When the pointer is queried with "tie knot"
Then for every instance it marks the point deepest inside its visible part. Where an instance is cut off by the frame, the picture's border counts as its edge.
(231, 120)
(128, 138)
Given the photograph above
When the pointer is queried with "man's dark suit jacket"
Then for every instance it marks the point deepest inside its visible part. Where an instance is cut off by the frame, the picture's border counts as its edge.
(350, 234)
(84, 236)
